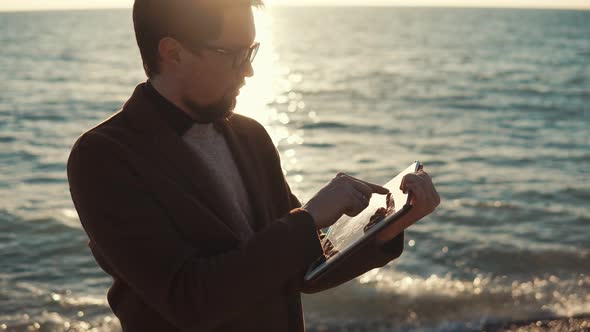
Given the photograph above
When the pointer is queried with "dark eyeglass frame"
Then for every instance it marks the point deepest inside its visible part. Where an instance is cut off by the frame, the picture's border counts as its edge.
(238, 56)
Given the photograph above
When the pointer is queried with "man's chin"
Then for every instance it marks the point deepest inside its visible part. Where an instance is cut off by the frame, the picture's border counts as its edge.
(232, 106)
(212, 112)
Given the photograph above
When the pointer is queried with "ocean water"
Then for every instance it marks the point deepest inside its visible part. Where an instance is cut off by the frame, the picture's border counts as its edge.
(495, 103)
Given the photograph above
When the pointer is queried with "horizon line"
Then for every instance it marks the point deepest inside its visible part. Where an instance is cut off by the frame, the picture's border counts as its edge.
(450, 6)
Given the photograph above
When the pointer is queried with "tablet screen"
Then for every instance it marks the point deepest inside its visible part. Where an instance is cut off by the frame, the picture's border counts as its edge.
(348, 230)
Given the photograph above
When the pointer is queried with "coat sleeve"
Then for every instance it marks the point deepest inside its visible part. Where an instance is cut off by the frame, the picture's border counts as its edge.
(134, 235)
(367, 258)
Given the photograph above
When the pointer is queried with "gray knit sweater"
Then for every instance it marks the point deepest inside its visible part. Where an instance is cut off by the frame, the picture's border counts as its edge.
(210, 146)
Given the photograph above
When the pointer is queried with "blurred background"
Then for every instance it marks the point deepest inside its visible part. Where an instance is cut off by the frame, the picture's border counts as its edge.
(494, 102)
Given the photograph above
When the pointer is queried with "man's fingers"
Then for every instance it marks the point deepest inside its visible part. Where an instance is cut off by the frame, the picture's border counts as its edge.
(435, 197)
(402, 185)
(408, 179)
(360, 197)
(415, 178)
(376, 188)
(358, 204)
(372, 188)
(416, 192)
(367, 188)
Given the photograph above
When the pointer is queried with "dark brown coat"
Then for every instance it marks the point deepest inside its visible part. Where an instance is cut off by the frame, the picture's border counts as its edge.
(159, 228)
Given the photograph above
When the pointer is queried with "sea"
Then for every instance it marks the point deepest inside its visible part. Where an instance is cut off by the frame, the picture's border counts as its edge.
(494, 102)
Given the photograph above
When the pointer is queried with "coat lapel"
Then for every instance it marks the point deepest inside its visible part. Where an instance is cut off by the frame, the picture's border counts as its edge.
(187, 167)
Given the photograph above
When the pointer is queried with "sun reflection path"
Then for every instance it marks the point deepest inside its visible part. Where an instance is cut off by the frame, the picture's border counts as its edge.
(268, 97)
(261, 90)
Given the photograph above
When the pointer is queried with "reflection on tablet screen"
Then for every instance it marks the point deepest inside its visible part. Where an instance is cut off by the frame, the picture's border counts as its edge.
(348, 230)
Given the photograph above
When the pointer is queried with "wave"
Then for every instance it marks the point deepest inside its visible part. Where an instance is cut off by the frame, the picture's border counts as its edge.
(564, 194)
(45, 180)
(349, 127)
(319, 145)
(57, 322)
(498, 161)
(560, 205)
(542, 324)
(401, 302)
(334, 92)
(8, 139)
(325, 125)
(582, 194)
(511, 260)
(42, 117)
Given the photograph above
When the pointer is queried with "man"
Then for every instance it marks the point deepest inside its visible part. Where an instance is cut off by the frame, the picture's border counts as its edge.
(186, 205)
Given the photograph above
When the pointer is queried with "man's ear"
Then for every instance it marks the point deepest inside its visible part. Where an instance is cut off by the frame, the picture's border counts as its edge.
(169, 51)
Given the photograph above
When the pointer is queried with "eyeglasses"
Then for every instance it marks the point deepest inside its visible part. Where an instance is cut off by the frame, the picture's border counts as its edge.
(239, 56)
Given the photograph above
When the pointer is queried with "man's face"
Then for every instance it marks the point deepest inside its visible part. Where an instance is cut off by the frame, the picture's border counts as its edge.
(209, 79)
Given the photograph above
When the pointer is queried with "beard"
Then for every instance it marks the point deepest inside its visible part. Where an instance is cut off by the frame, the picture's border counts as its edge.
(219, 110)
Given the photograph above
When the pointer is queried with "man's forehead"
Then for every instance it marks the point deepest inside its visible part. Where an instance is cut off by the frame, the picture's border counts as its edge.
(237, 29)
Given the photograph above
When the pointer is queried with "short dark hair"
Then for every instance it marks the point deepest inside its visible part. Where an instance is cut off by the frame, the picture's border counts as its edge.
(190, 21)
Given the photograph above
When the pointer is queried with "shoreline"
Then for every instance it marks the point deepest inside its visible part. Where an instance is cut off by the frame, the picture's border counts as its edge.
(561, 324)
(576, 323)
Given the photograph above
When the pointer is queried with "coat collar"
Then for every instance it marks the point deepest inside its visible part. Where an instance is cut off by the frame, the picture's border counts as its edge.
(176, 119)
(145, 118)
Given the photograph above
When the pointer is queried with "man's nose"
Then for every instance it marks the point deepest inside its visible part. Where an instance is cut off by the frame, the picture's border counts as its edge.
(247, 70)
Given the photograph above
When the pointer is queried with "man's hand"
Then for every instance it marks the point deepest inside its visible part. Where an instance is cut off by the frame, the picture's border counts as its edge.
(342, 195)
(424, 199)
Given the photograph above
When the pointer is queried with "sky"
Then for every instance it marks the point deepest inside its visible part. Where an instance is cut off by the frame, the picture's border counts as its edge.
(17, 5)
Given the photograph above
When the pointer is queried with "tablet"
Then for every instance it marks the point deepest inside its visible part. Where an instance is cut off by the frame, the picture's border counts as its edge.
(349, 234)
